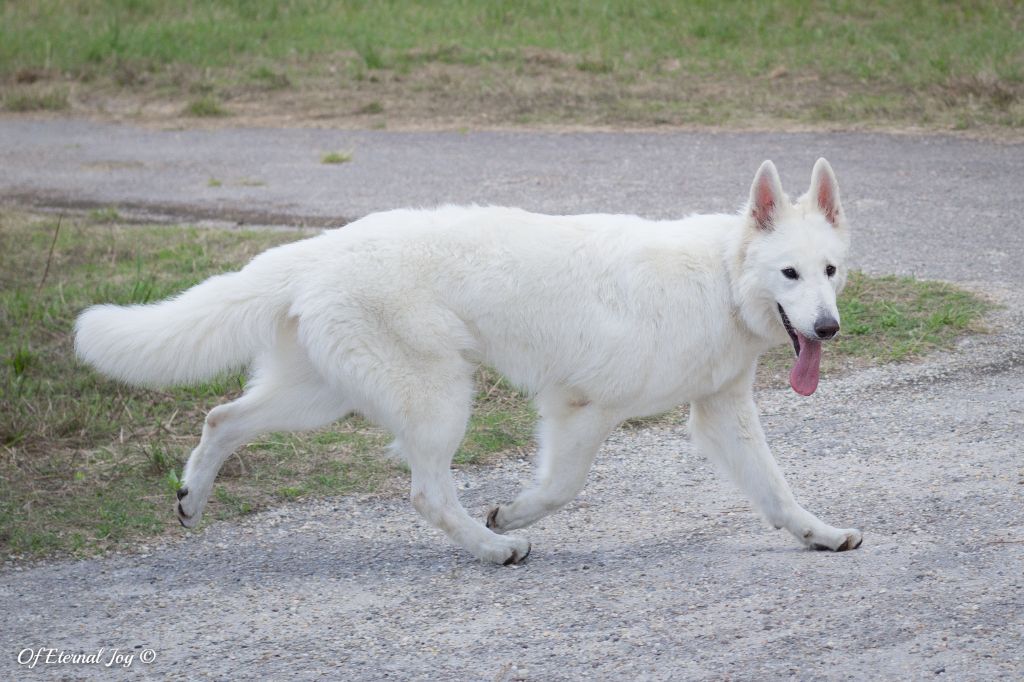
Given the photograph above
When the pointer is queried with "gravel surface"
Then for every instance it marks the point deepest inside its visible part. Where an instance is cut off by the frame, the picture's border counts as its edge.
(659, 570)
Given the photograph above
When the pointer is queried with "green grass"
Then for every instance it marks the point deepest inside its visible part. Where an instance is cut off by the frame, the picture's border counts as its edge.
(270, 79)
(916, 62)
(887, 319)
(88, 464)
(107, 214)
(205, 107)
(336, 157)
(913, 42)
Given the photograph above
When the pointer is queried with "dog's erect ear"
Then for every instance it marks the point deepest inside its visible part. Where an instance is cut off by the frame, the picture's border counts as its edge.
(825, 191)
(765, 196)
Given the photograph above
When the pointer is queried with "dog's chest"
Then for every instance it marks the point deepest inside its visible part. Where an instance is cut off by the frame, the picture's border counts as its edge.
(688, 374)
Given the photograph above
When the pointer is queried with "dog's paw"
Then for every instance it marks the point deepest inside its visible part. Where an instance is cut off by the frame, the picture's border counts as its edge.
(515, 551)
(188, 507)
(517, 556)
(505, 550)
(841, 540)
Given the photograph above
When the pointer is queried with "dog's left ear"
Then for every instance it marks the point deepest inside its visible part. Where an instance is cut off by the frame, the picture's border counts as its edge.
(824, 191)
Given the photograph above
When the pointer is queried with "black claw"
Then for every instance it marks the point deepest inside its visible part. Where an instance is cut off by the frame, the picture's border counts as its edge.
(182, 492)
(845, 547)
(516, 559)
(492, 518)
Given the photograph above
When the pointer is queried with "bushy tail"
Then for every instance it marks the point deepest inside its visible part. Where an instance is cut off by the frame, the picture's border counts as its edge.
(217, 325)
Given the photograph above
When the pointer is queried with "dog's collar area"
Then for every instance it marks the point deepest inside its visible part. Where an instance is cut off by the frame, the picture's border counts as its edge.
(789, 329)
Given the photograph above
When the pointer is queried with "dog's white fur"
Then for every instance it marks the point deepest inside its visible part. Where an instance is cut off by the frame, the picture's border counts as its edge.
(600, 317)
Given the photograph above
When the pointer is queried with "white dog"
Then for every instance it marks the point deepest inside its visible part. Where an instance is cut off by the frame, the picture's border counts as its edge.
(600, 317)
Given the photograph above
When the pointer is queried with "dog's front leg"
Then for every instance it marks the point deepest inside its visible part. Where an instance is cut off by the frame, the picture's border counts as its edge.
(726, 429)
(569, 435)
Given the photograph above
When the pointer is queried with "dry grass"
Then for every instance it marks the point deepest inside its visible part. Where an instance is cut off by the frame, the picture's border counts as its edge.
(31, 98)
(456, 63)
(205, 107)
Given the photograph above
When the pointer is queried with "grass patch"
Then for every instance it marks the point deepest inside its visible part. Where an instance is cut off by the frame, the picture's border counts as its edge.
(888, 319)
(22, 100)
(270, 79)
(595, 66)
(205, 107)
(105, 215)
(371, 108)
(87, 464)
(875, 62)
(83, 461)
(336, 157)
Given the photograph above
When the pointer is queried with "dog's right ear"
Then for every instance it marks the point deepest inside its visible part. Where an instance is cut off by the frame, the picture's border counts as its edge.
(766, 197)
(825, 191)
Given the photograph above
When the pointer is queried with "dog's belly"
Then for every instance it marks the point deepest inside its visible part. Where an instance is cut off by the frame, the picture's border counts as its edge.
(671, 387)
(634, 380)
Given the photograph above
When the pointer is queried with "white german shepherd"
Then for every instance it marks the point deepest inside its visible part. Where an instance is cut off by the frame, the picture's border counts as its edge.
(600, 317)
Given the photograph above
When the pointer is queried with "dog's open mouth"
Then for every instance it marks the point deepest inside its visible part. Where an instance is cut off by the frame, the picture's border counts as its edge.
(804, 375)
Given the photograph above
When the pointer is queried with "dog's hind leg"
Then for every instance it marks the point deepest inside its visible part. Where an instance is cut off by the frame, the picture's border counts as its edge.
(570, 435)
(285, 394)
(429, 448)
(426, 404)
(726, 429)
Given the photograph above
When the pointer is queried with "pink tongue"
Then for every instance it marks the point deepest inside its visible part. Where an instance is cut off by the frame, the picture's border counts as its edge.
(804, 376)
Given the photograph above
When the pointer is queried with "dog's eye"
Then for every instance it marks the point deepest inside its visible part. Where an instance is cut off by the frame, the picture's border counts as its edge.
(790, 273)
(830, 270)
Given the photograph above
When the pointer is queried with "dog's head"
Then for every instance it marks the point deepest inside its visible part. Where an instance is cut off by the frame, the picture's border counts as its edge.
(794, 265)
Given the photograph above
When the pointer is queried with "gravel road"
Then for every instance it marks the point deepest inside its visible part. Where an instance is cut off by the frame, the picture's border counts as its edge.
(659, 570)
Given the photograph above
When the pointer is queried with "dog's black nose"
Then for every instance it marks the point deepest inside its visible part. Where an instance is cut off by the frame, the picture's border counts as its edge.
(826, 327)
